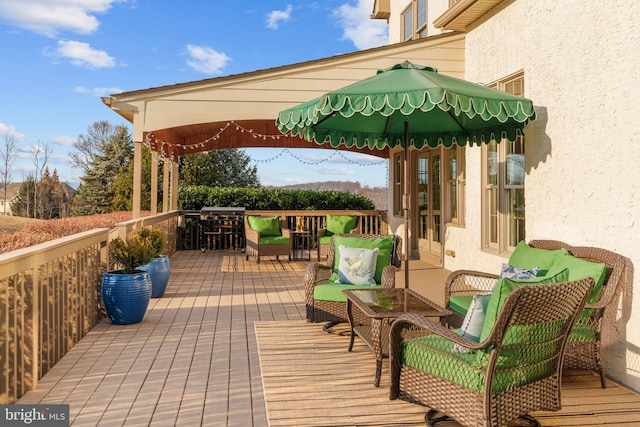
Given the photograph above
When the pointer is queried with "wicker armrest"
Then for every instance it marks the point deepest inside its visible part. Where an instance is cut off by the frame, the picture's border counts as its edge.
(469, 282)
(252, 235)
(415, 325)
(314, 274)
(389, 277)
(322, 232)
(286, 232)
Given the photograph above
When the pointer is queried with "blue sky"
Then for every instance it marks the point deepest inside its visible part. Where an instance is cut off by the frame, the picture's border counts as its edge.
(60, 56)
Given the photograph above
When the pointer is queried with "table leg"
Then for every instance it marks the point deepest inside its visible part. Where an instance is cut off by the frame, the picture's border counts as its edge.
(376, 336)
(350, 317)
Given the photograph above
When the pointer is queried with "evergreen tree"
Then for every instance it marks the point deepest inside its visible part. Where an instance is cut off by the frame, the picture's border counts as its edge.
(219, 168)
(96, 192)
(43, 199)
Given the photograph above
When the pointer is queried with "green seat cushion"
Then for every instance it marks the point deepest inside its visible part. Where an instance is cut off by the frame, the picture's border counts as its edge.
(436, 356)
(333, 291)
(580, 269)
(501, 291)
(581, 333)
(340, 224)
(384, 244)
(274, 240)
(460, 303)
(266, 226)
(324, 240)
(524, 256)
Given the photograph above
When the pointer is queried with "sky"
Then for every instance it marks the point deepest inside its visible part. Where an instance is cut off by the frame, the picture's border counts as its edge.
(60, 56)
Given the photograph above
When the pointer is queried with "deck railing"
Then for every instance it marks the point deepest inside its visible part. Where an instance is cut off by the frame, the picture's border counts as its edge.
(50, 299)
(50, 293)
(192, 234)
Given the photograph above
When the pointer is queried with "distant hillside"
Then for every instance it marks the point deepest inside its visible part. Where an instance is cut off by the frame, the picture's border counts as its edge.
(378, 195)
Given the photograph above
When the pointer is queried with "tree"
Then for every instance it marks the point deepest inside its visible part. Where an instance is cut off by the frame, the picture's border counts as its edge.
(45, 199)
(219, 168)
(41, 153)
(96, 191)
(91, 145)
(8, 156)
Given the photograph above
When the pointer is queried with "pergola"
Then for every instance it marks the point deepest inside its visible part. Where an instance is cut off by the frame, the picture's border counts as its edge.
(239, 111)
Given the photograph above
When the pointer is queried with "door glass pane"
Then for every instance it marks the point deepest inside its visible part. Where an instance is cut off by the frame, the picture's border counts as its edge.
(435, 182)
(453, 182)
(435, 196)
(493, 215)
(423, 195)
(516, 216)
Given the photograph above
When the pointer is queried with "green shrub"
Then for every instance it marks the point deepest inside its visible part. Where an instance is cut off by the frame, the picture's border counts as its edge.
(138, 249)
(197, 197)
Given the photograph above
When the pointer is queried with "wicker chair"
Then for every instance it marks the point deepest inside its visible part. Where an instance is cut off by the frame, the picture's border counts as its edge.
(315, 274)
(583, 351)
(255, 245)
(516, 370)
(324, 235)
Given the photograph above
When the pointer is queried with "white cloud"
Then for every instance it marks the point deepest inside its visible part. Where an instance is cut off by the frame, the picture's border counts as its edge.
(206, 60)
(10, 131)
(275, 17)
(83, 55)
(333, 170)
(98, 91)
(50, 17)
(63, 140)
(361, 30)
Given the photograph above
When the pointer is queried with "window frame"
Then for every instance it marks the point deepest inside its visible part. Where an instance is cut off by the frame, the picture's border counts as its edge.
(416, 31)
(497, 222)
(455, 215)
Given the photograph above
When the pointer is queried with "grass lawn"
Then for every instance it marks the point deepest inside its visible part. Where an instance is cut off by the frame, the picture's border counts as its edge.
(13, 224)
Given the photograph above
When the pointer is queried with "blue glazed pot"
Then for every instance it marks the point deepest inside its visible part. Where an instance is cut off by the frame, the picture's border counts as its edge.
(126, 296)
(159, 270)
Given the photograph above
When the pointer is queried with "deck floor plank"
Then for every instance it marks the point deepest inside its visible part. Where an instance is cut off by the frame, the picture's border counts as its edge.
(196, 360)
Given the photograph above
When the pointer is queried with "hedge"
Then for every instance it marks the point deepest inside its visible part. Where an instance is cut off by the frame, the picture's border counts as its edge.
(197, 197)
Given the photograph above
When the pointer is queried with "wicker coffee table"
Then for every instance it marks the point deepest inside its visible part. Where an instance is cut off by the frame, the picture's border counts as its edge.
(382, 306)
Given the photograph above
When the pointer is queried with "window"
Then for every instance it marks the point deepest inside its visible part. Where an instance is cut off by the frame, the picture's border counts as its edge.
(455, 184)
(398, 177)
(503, 223)
(414, 20)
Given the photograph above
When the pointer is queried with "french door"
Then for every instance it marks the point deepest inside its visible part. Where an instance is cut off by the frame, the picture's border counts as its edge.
(429, 203)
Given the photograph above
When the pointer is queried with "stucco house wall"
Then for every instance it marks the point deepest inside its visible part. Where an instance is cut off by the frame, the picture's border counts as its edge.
(582, 179)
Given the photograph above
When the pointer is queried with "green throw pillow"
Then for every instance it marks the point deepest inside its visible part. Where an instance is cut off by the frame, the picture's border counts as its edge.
(384, 244)
(524, 256)
(266, 226)
(340, 224)
(579, 269)
(502, 290)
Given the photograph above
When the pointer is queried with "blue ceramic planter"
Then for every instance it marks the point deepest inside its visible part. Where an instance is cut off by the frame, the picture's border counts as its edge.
(126, 296)
(159, 270)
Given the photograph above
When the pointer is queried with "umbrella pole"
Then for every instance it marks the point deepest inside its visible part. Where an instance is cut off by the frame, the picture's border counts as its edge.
(405, 204)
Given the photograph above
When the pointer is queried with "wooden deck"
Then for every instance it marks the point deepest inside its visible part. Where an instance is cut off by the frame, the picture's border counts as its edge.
(195, 361)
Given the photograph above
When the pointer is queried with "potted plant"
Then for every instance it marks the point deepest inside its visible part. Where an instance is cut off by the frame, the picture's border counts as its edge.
(126, 292)
(159, 268)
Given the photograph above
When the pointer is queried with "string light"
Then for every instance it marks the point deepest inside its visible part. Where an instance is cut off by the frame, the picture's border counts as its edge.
(162, 145)
(307, 162)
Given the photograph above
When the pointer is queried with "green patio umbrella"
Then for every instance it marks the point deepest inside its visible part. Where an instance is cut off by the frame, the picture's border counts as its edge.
(408, 105)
